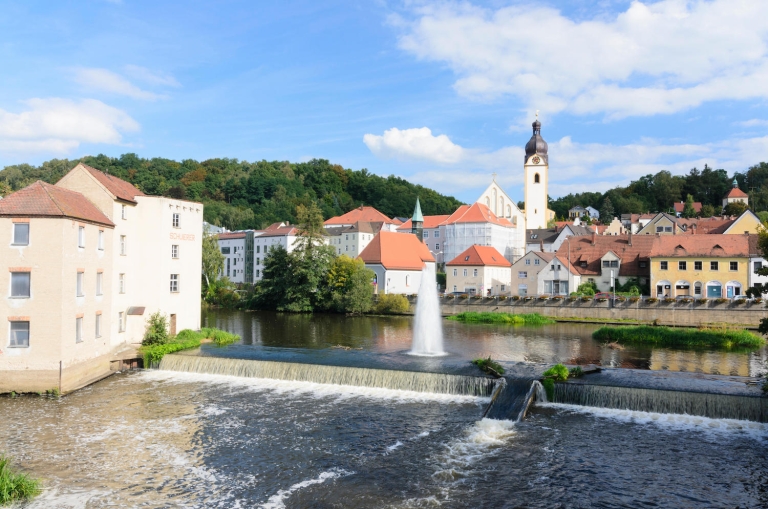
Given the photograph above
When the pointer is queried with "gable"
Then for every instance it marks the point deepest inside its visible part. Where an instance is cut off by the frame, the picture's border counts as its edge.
(498, 201)
(747, 222)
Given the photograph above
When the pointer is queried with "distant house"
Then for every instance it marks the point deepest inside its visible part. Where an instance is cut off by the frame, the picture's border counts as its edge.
(352, 240)
(593, 212)
(679, 207)
(735, 195)
(362, 213)
(549, 240)
(397, 259)
(579, 211)
(479, 270)
(539, 273)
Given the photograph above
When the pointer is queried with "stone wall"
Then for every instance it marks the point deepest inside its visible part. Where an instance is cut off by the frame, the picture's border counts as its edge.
(678, 313)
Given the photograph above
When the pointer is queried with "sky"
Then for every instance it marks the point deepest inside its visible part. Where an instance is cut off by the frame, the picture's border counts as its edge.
(440, 93)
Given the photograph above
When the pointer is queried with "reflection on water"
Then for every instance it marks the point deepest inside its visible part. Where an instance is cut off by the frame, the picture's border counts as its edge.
(561, 342)
(162, 439)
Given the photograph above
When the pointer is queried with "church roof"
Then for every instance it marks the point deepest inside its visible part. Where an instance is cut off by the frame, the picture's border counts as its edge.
(417, 215)
(536, 145)
(429, 222)
(476, 213)
(397, 251)
(736, 193)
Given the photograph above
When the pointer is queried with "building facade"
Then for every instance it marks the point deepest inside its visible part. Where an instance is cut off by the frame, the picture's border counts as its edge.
(397, 260)
(480, 270)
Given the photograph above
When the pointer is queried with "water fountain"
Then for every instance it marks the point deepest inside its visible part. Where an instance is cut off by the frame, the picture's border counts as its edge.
(428, 327)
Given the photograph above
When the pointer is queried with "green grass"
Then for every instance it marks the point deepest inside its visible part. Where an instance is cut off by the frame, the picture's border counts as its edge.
(506, 318)
(667, 336)
(558, 373)
(489, 366)
(15, 486)
(185, 340)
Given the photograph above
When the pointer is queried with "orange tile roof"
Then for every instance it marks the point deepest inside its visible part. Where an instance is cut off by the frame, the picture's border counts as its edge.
(121, 189)
(701, 245)
(476, 213)
(481, 255)
(680, 206)
(395, 250)
(429, 222)
(361, 213)
(736, 193)
(586, 257)
(46, 200)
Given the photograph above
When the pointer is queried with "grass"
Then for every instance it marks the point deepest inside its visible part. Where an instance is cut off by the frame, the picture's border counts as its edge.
(489, 366)
(667, 336)
(558, 373)
(15, 486)
(185, 340)
(506, 318)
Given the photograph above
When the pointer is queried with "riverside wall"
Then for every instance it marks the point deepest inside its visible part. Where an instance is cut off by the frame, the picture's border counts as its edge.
(677, 314)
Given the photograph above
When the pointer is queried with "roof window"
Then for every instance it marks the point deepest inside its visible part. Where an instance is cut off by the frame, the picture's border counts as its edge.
(466, 258)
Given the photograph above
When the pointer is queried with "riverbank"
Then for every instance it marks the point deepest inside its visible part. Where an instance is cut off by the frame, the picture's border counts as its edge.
(501, 318)
(14, 485)
(725, 339)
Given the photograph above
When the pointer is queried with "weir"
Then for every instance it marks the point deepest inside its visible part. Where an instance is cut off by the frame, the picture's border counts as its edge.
(440, 383)
(512, 399)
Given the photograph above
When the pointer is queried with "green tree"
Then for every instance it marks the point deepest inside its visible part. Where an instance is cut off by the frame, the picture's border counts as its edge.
(213, 261)
(707, 210)
(688, 210)
(606, 211)
(5, 188)
(349, 282)
(763, 216)
(735, 208)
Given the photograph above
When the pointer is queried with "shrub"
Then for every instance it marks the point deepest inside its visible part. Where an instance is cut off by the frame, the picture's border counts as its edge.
(549, 388)
(651, 300)
(621, 298)
(668, 336)
(558, 372)
(669, 300)
(634, 299)
(602, 299)
(572, 298)
(156, 332)
(721, 300)
(739, 302)
(586, 298)
(393, 304)
(685, 301)
(489, 366)
(528, 297)
(185, 340)
(557, 297)
(220, 337)
(703, 300)
(477, 297)
(502, 297)
(463, 296)
(575, 372)
(543, 297)
(515, 297)
(15, 486)
(508, 318)
(757, 300)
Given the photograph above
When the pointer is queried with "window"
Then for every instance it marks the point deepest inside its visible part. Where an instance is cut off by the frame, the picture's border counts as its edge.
(121, 283)
(346, 237)
(663, 265)
(455, 272)
(437, 246)
(474, 273)
(713, 265)
(225, 250)
(527, 261)
(174, 283)
(123, 245)
(19, 335)
(606, 263)
(643, 265)
(407, 280)
(258, 249)
(175, 251)
(99, 283)
(426, 234)
(79, 330)
(98, 325)
(81, 236)
(123, 213)
(21, 234)
(659, 229)
(257, 273)
(454, 289)
(437, 234)
(614, 263)
(465, 272)
(20, 285)
(265, 249)
(503, 288)
(697, 289)
(258, 260)
(522, 274)
(758, 266)
(80, 284)
(734, 266)
(536, 178)
(667, 229)
(120, 322)
(682, 266)
(697, 265)
(176, 220)
(536, 261)
(101, 240)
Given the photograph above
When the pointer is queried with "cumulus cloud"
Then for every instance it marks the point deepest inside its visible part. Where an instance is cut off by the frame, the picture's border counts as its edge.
(417, 143)
(653, 58)
(58, 126)
(151, 77)
(113, 83)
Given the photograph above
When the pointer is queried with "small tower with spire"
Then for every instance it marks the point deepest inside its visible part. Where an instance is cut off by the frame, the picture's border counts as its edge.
(417, 221)
(536, 179)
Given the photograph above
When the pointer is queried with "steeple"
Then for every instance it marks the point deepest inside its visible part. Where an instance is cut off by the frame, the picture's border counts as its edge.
(536, 145)
(735, 183)
(417, 221)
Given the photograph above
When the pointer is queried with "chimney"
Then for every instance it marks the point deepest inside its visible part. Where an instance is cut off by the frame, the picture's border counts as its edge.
(541, 245)
(594, 237)
(630, 238)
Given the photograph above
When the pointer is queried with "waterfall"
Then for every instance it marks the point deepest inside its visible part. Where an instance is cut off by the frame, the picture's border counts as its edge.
(715, 406)
(512, 398)
(363, 377)
(427, 325)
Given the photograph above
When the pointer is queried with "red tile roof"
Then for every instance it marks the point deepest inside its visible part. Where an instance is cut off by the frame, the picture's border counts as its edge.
(481, 255)
(586, 258)
(680, 206)
(736, 193)
(700, 245)
(121, 189)
(397, 251)
(429, 222)
(476, 213)
(361, 213)
(46, 200)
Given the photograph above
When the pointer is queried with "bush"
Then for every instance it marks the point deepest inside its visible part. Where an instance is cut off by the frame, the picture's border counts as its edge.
(651, 300)
(220, 337)
(464, 296)
(685, 301)
(489, 366)
(508, 318)
(634, 299)
(156, 332)
(558, 372)
(15, 486)
(576, 372)
(586, 298)
(668, 336)
(721, 300)
(549, 388)
(185, 340)
(703, 300)
(669, 300)
(543, 297)
(502, 297)
(392, 304)
(739, 302)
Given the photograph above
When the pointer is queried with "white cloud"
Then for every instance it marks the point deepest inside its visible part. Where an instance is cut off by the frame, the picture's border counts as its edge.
(653, 58)
(58, 126)
(108, 81)
(754, 122)
(414, 144)
(151, 77)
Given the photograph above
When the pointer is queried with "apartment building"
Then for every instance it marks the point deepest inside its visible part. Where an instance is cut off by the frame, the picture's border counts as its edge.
(480, 270)
(233, 247)
(352, 240)
(278, 234)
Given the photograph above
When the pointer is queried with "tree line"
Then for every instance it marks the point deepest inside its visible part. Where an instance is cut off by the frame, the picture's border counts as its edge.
(240, 194)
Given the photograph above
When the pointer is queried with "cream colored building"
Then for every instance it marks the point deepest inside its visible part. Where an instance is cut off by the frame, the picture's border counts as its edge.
(352, 240)
(479, 270)
(56, 263)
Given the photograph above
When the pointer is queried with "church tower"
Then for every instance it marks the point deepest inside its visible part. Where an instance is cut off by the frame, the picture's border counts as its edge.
(536, 179)
(417, 221)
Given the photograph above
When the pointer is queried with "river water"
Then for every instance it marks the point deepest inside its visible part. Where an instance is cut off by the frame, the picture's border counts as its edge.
(163, 439)
(562, 342)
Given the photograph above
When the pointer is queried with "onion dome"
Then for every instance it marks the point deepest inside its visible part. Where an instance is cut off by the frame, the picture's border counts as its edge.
(536, 145)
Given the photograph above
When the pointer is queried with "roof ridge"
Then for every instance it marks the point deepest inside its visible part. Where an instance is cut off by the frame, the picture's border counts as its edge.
(53, 200)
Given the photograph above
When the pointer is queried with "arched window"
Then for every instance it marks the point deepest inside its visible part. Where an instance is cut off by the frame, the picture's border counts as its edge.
(509, 211)
(536, 178)
(487, 202)
(501, 205)
(494, 202)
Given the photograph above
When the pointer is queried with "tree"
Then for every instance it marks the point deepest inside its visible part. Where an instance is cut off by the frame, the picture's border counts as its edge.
(735, 208)
(707, 210)
(763, 216)
(606, 211)
(213, 260)
(688, 210)
(5, 188)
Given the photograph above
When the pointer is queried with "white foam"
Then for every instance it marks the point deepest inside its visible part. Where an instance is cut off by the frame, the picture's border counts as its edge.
(277, 501)
(757, 430)
(482, 439)
(290, 387)
(395, 446)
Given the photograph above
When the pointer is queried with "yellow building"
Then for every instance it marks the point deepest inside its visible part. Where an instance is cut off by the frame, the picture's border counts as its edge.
(710, 266)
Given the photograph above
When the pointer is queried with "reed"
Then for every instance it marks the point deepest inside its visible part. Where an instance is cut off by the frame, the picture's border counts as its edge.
(504, 318)
(15, 486)
(725, 339)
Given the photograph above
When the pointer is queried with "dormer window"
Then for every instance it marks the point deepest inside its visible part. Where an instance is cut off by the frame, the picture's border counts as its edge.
(466, 258)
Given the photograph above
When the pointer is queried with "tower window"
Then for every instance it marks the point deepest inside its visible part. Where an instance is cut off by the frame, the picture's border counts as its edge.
(536, 178)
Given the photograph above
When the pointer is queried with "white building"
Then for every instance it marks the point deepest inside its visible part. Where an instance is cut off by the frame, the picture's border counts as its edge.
(479, 270)
(756, 262)
(277, 234)
(476, 225)
(397, 259)
(232, 246)
(352, 240)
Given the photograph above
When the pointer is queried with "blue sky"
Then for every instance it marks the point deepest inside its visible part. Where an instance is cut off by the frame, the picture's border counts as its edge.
(440, 93)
